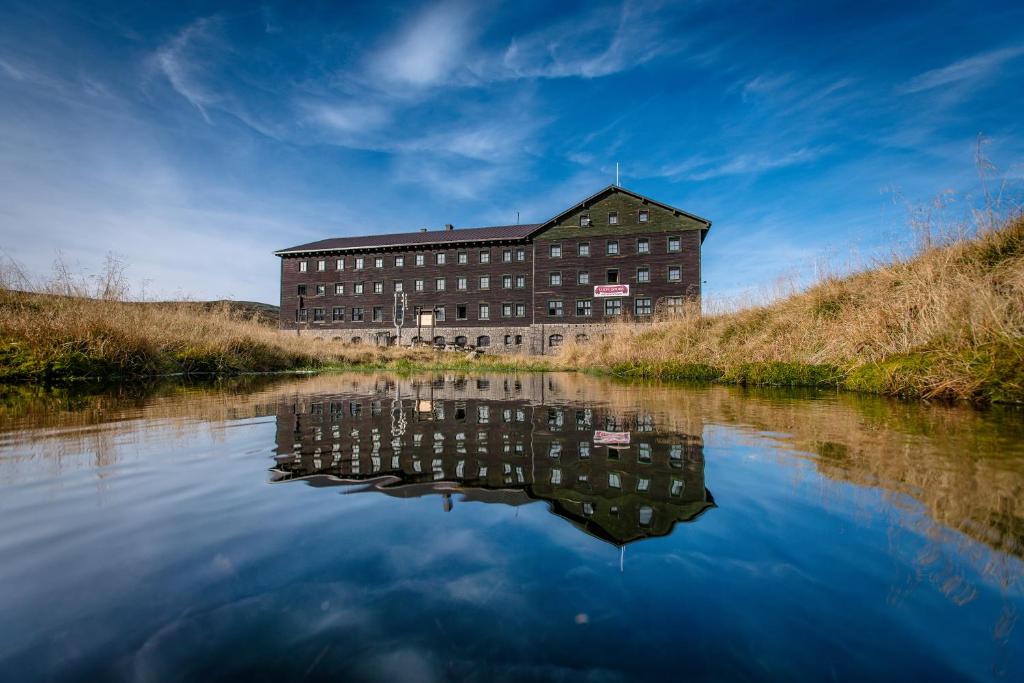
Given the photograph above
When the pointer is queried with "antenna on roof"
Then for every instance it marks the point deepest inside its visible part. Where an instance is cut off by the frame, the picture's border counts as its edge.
(616, 174)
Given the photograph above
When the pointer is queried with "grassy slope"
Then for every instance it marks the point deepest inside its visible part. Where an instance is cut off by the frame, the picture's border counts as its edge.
(947, 323)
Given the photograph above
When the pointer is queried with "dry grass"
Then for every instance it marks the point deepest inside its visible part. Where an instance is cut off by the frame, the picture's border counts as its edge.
(948, 322)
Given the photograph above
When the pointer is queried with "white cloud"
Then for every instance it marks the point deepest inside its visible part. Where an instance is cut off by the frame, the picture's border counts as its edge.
(428, 48)
(173, 60)
(970, 69)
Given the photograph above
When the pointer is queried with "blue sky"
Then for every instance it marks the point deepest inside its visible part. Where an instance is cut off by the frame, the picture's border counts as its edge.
(195, 138)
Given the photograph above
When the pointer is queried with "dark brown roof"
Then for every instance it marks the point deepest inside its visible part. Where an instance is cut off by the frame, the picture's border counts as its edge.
(406, 239)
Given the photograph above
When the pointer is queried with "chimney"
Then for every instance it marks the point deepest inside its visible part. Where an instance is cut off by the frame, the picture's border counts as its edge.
(423, 229)
(449, 226)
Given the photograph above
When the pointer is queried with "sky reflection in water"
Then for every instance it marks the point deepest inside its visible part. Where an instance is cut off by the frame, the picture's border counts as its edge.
(484, 530)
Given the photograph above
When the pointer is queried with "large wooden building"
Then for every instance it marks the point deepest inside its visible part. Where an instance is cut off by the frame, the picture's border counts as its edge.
(517, 288)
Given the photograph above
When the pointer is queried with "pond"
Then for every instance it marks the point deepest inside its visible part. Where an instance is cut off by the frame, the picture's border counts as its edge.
(533, 527)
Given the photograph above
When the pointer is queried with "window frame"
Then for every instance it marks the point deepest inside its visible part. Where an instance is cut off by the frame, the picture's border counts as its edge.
(583, 277)
(668, 273)
(613, 218)
(587, 305)
(557, 305)
(646, 270)
(555, 275)
(679, 244)
(608, 246)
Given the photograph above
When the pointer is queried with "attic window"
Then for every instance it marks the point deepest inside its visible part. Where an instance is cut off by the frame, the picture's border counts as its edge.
(584, 220)
(613, 218)
(645, 215)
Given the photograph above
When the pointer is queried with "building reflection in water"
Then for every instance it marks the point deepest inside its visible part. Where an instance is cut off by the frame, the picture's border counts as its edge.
(617, 476)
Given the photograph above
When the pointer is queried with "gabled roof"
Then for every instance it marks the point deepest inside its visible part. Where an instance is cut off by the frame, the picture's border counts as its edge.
(618, 188)
(411, 239)
(463, 235)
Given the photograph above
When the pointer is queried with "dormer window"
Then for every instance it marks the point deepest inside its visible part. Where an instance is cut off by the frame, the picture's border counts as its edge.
(613, 218)
(584, 220)
(644, 216)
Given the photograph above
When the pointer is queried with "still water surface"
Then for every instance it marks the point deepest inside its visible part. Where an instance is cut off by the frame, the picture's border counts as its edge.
(539, 527)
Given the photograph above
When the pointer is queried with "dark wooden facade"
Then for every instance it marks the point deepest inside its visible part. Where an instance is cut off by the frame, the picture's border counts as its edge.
(511, 276)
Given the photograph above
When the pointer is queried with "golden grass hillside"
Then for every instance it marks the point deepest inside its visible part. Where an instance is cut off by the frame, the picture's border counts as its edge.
(947, 322)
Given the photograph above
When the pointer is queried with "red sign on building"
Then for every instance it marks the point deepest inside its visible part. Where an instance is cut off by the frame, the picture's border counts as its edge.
(602, 438)
(611, 290)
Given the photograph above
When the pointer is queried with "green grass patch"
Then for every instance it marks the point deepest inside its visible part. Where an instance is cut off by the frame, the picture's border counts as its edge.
(783, 374)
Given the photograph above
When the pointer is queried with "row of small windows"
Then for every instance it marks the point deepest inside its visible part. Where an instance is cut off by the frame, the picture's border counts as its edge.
(419, 285)
(585, 307)
(440, 259)
(642, 216)
(642, 306)
(358, 313)
(643, 275)
(673, 244)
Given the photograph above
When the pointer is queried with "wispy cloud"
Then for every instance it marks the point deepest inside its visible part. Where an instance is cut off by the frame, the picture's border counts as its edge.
(175, 61)
(603, 42)
(969, 69)
(429, 47)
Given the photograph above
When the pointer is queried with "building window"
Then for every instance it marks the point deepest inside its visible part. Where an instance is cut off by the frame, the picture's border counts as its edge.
(506, 256)
(506, 282)
(613, 218)
(439, 284)
(581, 338)
(318, 315)
(338, 314)
(302, 266)
(483, 340)
(461, 311)
(321, 266)
(520, 254)
(399, 261)
(461, 282)
(378, 287)
(440, 259)
(643, 246)
(418, 285)
(555, 309)
(556, 251)
(642, 306)
(675, 243)
(555, 278)
(584, 220)
(675, 274)
(357, 288)
(438, 341)
(583, 277)
(321, 290)
(463, 258)
(485, 282)
(301, 315)
(360, 261)
(378, 314)
(613, 276)
(357, 315)
(612, 248)
(485, 256)
(584, 249)
(419, 259)
(506, 310)
(584, 307)
(485, 312)
(643, 274)
(644, 216)
(399, 286)
(520, 281)
(555, 340)
(340, 264)
(508, 340)
(378, 262)
(613, 306)
(339, 289)
(301, 290)
(460, 340)
(440, 314)
(674, 304)
(520, 311)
